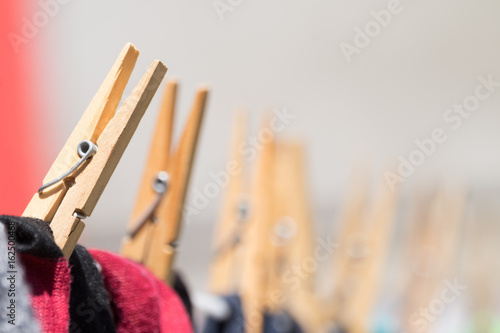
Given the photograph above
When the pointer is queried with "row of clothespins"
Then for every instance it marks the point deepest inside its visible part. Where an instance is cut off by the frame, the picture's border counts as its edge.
(265, 248)
(378, 257)
(81, 171)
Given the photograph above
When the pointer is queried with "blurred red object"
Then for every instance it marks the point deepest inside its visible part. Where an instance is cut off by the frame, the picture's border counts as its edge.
(21, 134)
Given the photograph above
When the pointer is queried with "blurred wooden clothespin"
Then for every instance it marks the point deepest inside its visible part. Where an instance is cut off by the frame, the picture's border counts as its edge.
(295, 259)
(278, 240)
(374, 252)
(156, 219)
(82, 169)
(233, 217)
(351, 226)
(256, 239)
(363, 244)
(431, 254)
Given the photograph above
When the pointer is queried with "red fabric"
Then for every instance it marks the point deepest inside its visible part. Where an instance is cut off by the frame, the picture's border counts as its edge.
(50, 281)
(141, 302)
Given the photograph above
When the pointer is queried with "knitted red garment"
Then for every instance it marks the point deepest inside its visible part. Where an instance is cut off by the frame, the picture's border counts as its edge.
(49, 279)
(141, 303)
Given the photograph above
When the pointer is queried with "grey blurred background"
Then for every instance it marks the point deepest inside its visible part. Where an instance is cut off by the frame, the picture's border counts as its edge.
(284, 54)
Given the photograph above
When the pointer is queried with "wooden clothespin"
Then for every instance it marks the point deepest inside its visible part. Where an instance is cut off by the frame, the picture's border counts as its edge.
(100, 138)
(233, 218)
(294, 228)
(432, 249)
(351, 225)
(481, 238)
(380, 225)
(421, 257)
(256, 240)
(279, 236)
(155, 223)
(282, 225)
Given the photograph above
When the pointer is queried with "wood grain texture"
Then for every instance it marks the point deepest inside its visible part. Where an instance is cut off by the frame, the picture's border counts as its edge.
(158, 160)
(91, 125)
(90, 183)
(169, 213)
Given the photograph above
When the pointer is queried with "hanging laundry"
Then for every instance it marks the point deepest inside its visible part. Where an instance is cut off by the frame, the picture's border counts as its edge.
(21, 318)
(141, 303)
(280, 322)
(89, 307)
(65, 296)
(234, 323)
(338, 329)
(47, 272)
(183, 292)
(72, 296)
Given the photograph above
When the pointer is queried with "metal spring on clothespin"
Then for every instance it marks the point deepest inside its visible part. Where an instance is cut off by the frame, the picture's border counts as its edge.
(242, 214)
(86, 149)
(160, 186)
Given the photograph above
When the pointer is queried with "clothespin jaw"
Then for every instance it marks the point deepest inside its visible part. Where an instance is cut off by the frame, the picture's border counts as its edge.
(67, 203)
(136, 244)
(163, 244)
(233, 216)
(154, 243)
(94, 120)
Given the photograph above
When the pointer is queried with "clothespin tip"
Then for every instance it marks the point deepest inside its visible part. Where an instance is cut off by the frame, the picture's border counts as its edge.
(205, 87)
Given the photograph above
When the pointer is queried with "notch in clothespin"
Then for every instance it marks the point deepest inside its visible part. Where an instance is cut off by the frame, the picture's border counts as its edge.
(155, 223)
(84, 166)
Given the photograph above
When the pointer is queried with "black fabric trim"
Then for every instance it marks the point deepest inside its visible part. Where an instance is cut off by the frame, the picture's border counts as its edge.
(33, 236)
(182, 291)
(90, 309)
